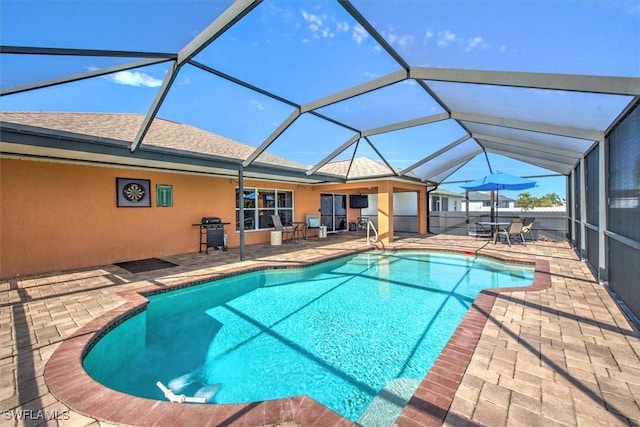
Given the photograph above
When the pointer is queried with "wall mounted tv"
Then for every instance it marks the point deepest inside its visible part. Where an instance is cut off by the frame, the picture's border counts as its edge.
(358, 201)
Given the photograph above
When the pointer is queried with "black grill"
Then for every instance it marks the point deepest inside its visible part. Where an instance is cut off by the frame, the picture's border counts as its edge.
(212, 234)
(210, 220)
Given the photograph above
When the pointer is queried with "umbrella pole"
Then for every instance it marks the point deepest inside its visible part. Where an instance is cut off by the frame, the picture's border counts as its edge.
(497, 203)
(492, 206)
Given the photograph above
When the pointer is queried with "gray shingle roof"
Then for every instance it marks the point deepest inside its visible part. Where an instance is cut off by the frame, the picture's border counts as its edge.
(360, 168)
(162, 133)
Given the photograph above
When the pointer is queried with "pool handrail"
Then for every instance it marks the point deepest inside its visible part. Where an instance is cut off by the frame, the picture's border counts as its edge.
(370, 227)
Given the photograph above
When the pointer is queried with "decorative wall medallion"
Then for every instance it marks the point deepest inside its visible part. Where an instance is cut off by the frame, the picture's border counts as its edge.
(133, 192)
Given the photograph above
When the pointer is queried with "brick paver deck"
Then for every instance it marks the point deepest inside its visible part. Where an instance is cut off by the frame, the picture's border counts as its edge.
(561, 355)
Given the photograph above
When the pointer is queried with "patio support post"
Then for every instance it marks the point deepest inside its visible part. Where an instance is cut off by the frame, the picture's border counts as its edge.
(430, 208)
(423, 210)
(583, 208)
(241, 209)
(385, 212)
(572, 209)
(602, 212)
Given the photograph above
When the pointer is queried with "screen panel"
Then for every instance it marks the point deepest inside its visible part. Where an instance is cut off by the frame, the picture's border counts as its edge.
(592, 174)
(624, 176)
(105, 24)
(568, 37)
(301, 51)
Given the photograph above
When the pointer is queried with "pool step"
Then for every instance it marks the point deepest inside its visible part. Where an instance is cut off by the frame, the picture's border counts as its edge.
(389, 403)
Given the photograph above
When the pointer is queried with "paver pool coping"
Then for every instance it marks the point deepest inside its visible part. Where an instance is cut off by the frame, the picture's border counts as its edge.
(71, 384)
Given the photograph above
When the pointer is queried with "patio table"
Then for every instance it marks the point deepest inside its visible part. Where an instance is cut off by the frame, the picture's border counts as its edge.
(299, 230)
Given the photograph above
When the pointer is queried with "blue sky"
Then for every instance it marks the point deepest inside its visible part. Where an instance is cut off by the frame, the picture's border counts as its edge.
(305, 50)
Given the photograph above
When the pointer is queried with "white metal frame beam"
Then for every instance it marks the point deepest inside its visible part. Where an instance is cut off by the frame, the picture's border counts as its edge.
(452, 170)
(531, 154)
(406, 124)
(451, 164)
(435, 154)
(529, 146)
(354, 91)
(545, 164)
(628, 86)
(580, 133)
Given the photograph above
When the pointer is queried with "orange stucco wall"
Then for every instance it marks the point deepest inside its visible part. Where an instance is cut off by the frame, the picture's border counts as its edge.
(61, 216)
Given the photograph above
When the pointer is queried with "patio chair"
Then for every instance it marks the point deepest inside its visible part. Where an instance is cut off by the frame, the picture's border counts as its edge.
(286, 230)
(313, 223)
(514, 229)
(527, 227)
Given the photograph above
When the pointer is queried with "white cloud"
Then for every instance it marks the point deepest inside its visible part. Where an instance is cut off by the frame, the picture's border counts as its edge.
(445, 38)
(319, 25)
(359, 34)
(184, 81)
(257, 104)
(312, 19)
(477, 42)
(401, 41)
(134, 78)
(327, 33)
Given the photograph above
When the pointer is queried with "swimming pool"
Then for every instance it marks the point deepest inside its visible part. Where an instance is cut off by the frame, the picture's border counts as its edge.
(339, 331)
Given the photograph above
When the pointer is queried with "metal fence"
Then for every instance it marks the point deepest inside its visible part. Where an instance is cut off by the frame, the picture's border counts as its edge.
(401, 223)
(547, 225)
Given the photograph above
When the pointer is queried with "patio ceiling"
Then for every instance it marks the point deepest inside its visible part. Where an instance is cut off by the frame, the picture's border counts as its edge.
(418, 118)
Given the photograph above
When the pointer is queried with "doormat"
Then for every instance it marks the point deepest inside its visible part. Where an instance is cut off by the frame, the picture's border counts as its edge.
(142, 265)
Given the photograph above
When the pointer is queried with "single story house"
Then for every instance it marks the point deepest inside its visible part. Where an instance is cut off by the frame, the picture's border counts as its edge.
(482, 202)
(74, 195)
(445, 200)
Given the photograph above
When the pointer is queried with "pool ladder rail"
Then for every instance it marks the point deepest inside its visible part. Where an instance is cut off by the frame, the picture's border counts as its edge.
(179, 398)
(372, 228)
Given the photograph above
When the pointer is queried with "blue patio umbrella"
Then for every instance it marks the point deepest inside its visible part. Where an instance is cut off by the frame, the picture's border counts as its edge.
(499, 181)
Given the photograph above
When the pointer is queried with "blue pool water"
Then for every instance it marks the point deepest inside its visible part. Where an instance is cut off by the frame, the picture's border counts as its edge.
(339, 331)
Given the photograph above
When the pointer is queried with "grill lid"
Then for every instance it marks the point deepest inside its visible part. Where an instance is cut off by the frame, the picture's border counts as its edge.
(211, 220)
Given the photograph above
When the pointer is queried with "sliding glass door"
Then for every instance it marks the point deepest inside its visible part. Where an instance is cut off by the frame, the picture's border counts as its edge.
(333, 211)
